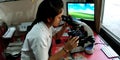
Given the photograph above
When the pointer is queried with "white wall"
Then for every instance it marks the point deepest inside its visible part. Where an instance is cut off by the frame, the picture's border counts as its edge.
(15, 12)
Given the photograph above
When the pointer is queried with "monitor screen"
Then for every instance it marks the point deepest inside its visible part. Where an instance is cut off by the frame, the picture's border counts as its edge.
(84, 11)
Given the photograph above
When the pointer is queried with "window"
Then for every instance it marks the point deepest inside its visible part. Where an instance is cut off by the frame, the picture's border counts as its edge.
(111, 17)
(110, 23)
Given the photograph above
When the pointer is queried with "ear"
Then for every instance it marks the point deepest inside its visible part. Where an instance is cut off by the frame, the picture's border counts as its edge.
(49, 20)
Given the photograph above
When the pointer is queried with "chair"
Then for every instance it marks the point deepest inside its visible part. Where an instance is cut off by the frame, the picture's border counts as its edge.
(3, 29)
(4, 42)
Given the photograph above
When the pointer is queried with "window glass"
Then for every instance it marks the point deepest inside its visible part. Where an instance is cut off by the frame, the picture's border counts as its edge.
(111, 16)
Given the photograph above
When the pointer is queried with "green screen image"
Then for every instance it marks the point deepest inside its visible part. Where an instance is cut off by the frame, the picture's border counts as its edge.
(81, 11)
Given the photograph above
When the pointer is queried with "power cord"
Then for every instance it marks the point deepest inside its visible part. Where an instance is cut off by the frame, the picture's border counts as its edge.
(100, 43)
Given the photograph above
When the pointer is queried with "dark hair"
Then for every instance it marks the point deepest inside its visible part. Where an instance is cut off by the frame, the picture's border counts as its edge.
(48, 9)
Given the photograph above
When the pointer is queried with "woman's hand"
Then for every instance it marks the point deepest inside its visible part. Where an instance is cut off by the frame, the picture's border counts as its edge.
(65, 25)
(71, 43)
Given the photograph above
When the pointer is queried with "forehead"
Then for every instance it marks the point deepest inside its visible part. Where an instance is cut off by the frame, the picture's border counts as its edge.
(60, 13)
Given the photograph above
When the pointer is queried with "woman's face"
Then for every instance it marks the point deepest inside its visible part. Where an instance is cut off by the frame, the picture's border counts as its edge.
(57, 19)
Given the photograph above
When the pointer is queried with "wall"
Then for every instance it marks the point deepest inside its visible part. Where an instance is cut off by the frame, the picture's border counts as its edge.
(98, 6)
(15, 12)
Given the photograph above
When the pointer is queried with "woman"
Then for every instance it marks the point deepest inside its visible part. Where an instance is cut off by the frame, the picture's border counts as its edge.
(38, 40)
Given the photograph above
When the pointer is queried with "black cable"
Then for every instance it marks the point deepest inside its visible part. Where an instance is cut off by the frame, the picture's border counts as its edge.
(100, 43)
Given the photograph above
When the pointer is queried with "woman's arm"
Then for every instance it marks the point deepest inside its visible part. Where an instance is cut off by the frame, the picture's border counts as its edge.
(60, 33)
(58, 55)
(70, 44)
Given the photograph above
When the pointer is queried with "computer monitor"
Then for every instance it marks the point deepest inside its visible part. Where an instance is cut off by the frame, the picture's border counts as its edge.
(79, 10)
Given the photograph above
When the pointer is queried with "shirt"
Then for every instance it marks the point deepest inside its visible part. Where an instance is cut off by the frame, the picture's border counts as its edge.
(37, 43)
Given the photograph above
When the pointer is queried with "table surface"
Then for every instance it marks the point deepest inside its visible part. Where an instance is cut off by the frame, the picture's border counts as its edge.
(97, 55)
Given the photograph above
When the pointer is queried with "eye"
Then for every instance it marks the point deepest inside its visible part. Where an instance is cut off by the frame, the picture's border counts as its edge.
(60, 17)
